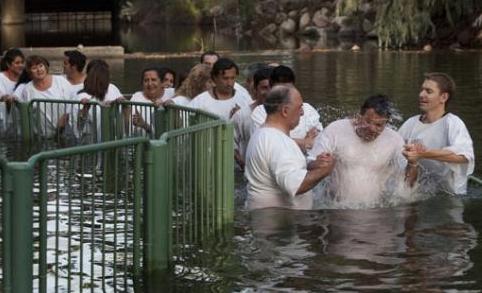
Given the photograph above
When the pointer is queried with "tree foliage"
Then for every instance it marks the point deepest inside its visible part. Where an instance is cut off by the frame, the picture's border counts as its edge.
(402, 22)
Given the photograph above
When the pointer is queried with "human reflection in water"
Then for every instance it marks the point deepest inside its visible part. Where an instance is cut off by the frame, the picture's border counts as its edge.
(278, 246)
(418, 247)
(423, 246)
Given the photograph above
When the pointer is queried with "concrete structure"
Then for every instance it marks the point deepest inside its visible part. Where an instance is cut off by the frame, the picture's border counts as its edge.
(13, 11)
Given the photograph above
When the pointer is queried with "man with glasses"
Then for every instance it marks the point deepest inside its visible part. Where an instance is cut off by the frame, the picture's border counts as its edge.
(368, 155)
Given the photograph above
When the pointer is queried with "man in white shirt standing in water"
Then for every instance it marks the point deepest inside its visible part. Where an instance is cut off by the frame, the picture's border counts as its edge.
(370, 167)
(277, 172)
(437, 139)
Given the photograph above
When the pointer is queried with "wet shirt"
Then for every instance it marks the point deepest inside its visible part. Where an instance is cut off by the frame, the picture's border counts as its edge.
(363, 170)
(447, 133)
(275, 169)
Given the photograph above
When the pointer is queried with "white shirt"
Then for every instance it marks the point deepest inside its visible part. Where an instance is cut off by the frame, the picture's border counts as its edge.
(310, 119)
(449, 133)
(6, 88)
(242, 90)
(6, 85)
(363, 171)
(243, 127)
(222, 108)
(275, 169)
(146, 112)
(60, 89)
(181, 100)
(87, 126)
(139, 96)
(112, 94)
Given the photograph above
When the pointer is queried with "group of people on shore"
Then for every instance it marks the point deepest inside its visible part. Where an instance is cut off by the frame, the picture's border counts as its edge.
(280, 142)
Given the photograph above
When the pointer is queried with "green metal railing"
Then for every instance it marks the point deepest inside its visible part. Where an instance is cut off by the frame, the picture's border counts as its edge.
(116, 215)
(92, 122)
(200, 151)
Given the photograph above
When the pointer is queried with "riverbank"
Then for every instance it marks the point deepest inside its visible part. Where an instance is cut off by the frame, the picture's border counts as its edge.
(118, 52)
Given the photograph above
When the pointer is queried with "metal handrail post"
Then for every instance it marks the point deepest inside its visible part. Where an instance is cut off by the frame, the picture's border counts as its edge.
(157, 214)
(23, 109)
(228, 172)
(21, 250)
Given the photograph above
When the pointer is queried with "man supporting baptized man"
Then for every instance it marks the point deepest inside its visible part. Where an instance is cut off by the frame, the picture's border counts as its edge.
(439, 140)
(276, 168)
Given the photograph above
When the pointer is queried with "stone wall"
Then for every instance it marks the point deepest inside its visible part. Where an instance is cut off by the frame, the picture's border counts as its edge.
(274, 20)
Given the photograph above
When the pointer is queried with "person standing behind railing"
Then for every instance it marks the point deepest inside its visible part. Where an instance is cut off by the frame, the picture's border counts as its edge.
(223, 99)
(52, 120)
(197, 81)
(153, 92)
(74, 63)
(11, 65)
(168, 77)
(97, 87)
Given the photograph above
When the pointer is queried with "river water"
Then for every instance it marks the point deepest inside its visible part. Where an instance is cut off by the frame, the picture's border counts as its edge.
(430, 245)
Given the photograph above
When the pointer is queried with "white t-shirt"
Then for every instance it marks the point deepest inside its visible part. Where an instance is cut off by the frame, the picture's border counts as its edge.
(75, 87)
(113, 93)
(310, 119)
(139, 96)
(6, 85)
(275, 169)
(181, 100)
(243, 127)
(6, 88)
(222, 108)
(447, 133)
(87, 126)
(146, 112)
(60, 89)
(365, 172)
(242, 90)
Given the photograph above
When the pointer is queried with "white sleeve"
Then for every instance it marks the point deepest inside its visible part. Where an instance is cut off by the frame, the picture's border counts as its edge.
(406, 128)
(288, 171)
(237, 125)
(23, 93)
(18, 91)
(194, 103)
(460, 143)
(113, 93)
(312, 117)
(258, 116)
(325, 142)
